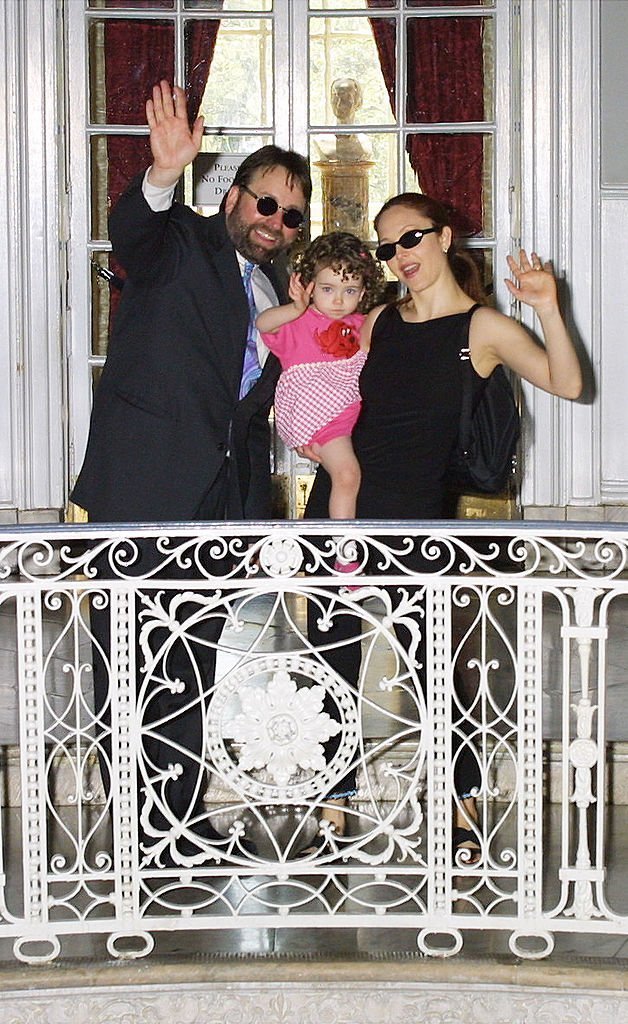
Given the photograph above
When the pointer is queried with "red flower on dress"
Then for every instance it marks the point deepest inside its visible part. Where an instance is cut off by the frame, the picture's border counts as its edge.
(339, 339)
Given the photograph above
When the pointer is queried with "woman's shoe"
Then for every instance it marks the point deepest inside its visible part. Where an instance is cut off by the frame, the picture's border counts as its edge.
(314, 847)
(318, 845)
(335, 815)
(466, 849)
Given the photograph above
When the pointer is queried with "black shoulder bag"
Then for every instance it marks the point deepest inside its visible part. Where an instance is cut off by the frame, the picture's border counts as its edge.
(486, 451)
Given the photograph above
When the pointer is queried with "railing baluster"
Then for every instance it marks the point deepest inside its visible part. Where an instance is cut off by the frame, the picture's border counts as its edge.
(125, 744)
(583, 753)
(439, 794)
(33, 784)
(526, 939)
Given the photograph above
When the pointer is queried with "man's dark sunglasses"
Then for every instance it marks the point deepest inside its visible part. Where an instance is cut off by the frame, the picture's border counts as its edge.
(408, 240)
(267, 206)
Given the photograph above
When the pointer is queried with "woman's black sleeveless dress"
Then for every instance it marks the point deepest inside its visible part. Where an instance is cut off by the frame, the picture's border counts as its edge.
(411, 388)
(412, 393)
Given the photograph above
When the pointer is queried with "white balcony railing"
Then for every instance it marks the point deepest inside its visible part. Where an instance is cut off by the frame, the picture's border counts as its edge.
(476, 644)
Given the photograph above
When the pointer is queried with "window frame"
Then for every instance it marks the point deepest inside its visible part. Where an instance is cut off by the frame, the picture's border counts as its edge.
(292, 130)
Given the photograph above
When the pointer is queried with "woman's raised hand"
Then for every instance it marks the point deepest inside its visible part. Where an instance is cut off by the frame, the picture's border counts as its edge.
(300, 294)
(534, 282)
(172, 142)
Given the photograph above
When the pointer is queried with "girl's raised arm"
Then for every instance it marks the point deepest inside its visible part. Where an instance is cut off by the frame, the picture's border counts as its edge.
(275, 317)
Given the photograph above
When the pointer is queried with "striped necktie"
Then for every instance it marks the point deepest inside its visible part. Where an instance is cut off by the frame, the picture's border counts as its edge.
(251, 368)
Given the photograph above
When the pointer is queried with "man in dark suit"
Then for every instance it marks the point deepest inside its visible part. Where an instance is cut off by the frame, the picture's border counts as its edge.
(179, 428)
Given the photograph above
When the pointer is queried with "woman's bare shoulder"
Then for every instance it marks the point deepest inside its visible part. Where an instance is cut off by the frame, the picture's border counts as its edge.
(367, 327)
(372, 316)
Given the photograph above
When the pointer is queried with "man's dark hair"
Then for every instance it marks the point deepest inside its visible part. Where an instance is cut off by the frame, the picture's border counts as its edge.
(268, 157)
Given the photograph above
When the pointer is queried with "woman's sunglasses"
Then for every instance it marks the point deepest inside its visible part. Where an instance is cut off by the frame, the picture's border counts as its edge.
(408, 240)
(268, 206)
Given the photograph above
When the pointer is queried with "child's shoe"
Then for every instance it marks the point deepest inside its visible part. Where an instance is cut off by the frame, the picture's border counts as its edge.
(341, 566)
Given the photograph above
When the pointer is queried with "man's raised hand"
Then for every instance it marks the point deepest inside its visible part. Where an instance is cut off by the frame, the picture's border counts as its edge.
(172, 143)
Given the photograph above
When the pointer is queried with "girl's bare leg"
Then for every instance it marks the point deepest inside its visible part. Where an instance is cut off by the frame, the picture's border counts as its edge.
(338, 458)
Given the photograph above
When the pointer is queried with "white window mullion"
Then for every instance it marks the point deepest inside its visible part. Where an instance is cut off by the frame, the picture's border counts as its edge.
(78, 334)
(292, 65)
(507, 149)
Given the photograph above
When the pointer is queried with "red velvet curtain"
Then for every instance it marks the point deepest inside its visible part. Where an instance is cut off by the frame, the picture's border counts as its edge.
(445, 83)
(384, 34)
(137, 55)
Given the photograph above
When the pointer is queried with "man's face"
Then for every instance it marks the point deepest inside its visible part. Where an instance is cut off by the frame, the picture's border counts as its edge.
(256, 237)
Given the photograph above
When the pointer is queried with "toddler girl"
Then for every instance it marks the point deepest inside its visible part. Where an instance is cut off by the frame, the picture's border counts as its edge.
(316, 338)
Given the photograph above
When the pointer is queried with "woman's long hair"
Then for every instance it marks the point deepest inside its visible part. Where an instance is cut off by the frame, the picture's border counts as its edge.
(463, 266)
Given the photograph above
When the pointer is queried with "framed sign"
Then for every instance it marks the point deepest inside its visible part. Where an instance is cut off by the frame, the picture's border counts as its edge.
(213, 174)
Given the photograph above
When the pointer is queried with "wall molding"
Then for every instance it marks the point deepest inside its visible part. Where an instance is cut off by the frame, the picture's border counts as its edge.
(560, 218)
(288, 995)
(610, 193)
(30, 291)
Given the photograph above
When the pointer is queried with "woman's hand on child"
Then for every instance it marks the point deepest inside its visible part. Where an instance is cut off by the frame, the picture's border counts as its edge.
(299, 293)
(309, 451)
(535, 282)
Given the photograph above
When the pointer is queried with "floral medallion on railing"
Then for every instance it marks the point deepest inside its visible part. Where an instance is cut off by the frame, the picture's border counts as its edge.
(281, 556)
(281, 728)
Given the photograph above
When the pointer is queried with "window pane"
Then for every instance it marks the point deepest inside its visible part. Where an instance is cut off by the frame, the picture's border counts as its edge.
(335, 5)
(144, 4)
(485, 258)
(115, 160)
(450, 66)
(449, 3)
(252, 6)
(345, 49)
(199, 48)
(347, 194)
(240, 84)
(455, 168)
(126, 58)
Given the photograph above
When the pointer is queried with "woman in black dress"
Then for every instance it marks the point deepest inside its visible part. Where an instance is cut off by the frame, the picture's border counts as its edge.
(411, 385)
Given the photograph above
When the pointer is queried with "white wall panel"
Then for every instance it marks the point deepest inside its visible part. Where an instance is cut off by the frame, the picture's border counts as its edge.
(614, 350)
(614, 85)
(560, 190)
(10, 377)
(31, 393)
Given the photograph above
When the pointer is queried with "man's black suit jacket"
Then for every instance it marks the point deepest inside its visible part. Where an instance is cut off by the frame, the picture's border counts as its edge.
(166, 411)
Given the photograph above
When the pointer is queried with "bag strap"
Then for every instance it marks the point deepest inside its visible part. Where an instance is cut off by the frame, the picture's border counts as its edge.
(466, 409)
